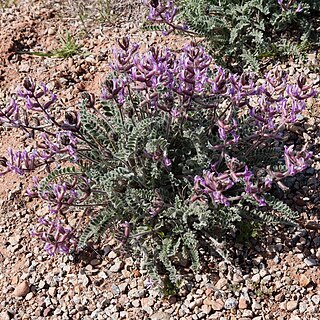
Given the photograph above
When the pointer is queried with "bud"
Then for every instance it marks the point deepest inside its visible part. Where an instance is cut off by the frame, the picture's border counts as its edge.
(3, 161)
(89, 99)
(29, 84)
(154, 3)
(124, 45)
(301, 81)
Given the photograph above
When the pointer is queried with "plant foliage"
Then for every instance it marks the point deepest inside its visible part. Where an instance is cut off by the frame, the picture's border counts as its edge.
(241, 33)
(175, 155)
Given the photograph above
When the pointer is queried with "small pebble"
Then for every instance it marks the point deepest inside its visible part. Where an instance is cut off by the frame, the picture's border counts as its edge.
(22, 289)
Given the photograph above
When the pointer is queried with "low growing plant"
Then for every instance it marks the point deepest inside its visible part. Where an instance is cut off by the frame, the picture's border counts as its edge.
(241, 33)
(6, 4)
(175, 154)
(69, 48)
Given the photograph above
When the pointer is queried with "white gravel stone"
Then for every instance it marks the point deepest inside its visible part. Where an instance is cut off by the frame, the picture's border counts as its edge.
(310, 262)
(117, 266)
(29, 296)
(160, 316)
(247, 313)
(292, 305)
(5, 315)
(315, 299)
(256, 278)
(256, 305)
(231, 303)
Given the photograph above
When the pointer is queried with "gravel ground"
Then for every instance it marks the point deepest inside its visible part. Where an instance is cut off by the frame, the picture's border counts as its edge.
(273, 276)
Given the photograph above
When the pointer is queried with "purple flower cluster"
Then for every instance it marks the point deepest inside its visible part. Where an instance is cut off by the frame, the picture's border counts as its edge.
(55, 140)
(186, 93)
(61, 141)
(159, 155)
(57, 238)
(19, 161)
(290, 5)
(185, 76)
(270, 104)
(164, 12)
(186, 80)
(60, 196)
(214, 184)
(65, 143)
(63, 194)
(217, 185)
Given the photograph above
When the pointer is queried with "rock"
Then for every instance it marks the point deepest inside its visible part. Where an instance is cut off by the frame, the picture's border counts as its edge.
(112, 255)
(160, 316)
(51, 31)
(102, 275)
(192, 305)
(29, 296)
(279, 297)
(118, 264)
(106, 250)
(136, 293)
(123, 300)
(208, 291)
(146, 302)
(199, 302)
(310, 262)
(129, 262)
(5, 315)
(15, 280)
(136, 303)
(221, 283)
(256, 305)
(247, 313)
(263, 272)
(217, 305)
(304, 280)
(47, 312)
(292, 305)
(302, 307)
(52, 291)
(84, 280)
(206, 309)
(315, 299)
(198, 278)
(123, 287)
(243, 303)
(115, 290)
(207, 301)
(41, 284)
(95, 262)
(230, 303)
(279, 247)
(266, 279)
(22, 289)
(237, 278)
(256, 278)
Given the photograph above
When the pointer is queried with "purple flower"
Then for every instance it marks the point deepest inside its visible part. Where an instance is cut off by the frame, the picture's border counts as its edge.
(126, 230)
(59, 191)
(299, 8)
(296, 161)
(166, 162)
(20, 161)
(57, 238)
(214, 185)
